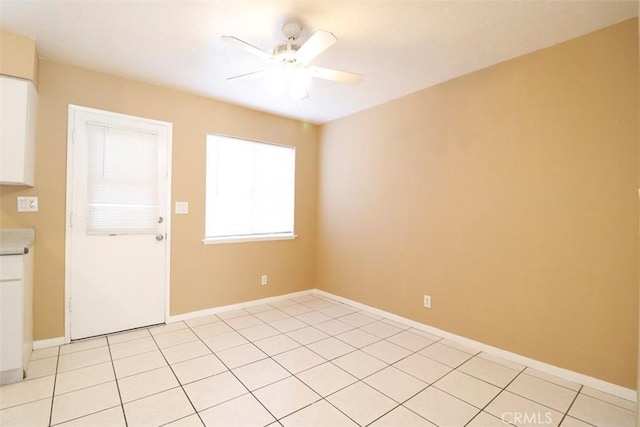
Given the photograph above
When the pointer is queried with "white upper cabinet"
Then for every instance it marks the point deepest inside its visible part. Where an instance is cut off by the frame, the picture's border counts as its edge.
(18, 106)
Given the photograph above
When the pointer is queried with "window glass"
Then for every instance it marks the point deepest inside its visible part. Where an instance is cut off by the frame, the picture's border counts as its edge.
(249, 189)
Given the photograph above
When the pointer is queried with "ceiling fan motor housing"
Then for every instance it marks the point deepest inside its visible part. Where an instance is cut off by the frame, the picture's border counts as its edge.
(285, 51)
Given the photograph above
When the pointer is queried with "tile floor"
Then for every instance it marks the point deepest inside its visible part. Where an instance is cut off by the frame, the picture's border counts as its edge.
(304, 361)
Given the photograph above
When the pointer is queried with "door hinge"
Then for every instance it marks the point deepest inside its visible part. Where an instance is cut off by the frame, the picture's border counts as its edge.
(70, 305)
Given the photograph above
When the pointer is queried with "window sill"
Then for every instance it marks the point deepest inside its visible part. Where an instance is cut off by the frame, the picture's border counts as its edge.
(253, 238)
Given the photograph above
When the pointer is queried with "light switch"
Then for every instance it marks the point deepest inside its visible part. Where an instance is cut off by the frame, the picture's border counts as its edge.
(28, 204)
(182, 208)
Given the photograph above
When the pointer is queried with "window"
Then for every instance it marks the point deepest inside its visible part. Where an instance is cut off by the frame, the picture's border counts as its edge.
(250, 190)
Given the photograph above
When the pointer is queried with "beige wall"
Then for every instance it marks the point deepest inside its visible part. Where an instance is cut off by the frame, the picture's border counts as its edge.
(18, 56)
(201, 276)
(509, 195)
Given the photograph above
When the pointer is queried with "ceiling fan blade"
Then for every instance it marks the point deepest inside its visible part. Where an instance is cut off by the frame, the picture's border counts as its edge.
(246, 46)
(335, 75)
(313, 47)
(252, 75)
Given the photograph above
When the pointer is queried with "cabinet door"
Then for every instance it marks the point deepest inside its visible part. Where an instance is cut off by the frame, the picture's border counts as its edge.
(11, 325)
(17, 131)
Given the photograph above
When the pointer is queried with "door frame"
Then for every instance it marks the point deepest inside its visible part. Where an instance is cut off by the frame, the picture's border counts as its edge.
(69, 204)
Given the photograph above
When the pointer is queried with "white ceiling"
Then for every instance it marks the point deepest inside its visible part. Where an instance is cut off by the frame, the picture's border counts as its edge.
(400, 46)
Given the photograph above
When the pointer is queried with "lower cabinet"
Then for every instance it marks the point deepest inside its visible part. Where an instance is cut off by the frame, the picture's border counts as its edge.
(16, 316)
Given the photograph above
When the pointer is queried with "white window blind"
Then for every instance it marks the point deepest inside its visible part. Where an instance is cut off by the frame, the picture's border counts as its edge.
(122, 182)
(250, 189)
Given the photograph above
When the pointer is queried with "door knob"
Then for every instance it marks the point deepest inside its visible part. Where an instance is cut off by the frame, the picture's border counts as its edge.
(159, 237)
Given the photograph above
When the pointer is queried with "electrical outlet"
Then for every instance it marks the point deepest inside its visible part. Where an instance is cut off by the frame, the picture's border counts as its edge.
(263, 279)
(427, 301)
(27, 204)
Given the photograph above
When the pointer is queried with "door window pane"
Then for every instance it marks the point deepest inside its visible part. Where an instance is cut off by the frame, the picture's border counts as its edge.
(123, 195)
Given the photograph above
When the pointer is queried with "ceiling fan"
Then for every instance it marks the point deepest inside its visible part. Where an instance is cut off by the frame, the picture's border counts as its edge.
(292, 61)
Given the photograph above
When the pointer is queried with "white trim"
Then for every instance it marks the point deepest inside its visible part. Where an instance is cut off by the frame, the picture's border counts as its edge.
(11, 376)
(67, 228)
(238, 306)
(607, 387)
(51, 342)
(212, 142)
(69, 207)
(251, 238)
(168, 220)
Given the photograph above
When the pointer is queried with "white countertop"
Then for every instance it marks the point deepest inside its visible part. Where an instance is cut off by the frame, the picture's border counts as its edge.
(16, 241)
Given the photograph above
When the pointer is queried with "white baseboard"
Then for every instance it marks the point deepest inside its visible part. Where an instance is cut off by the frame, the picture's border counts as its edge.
(11, 376)
(238, 306)
(51, 342)
(607, 387)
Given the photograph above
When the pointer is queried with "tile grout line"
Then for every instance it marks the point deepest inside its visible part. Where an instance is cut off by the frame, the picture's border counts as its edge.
(570, 405)
(115, 377)
(432, 384)
(502, 390)
(412, 352)
(401, 404)
(358, 380)
(178, 380)
(563, 413)
(53, 392)
(566, 414)
(322, 398)
(233, 373)
(294, 375)
(79, 389)
(521, 372)
(388, 365)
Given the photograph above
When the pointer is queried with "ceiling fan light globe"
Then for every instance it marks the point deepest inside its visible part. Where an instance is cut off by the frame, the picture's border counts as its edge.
(275, 81)
(298, 93)
(300, 79)
(289, 67)
(299, 82)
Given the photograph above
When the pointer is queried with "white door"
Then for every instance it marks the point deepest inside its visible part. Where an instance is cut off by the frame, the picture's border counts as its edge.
(117, 205)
